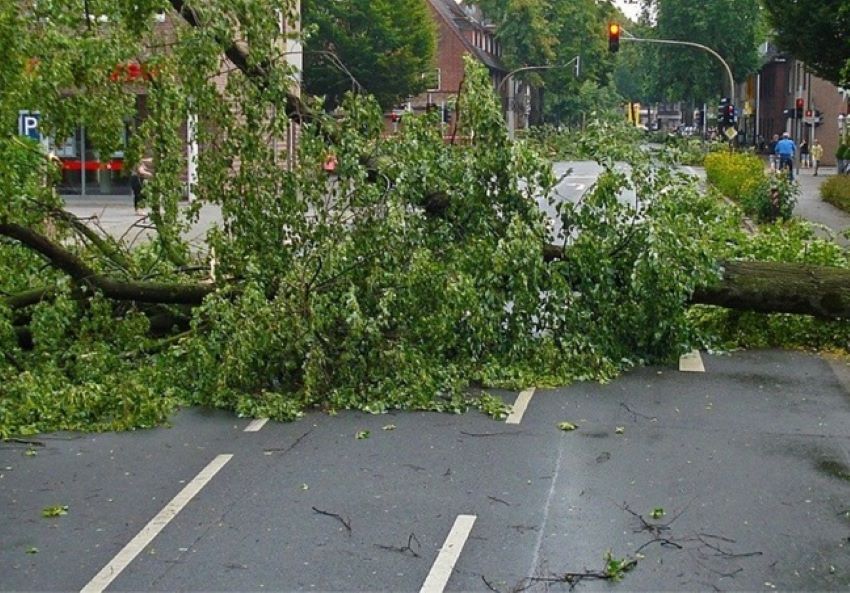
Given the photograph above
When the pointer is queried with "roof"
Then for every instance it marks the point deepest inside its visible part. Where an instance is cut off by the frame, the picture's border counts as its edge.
(458, 20)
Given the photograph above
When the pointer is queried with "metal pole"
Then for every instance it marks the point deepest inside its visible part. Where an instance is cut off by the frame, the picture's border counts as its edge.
(83, 161)
(699, 46)
(510, 75)
(758, 109)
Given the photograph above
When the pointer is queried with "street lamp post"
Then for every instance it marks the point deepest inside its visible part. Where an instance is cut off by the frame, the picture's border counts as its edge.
(630, 37)
(511, 111)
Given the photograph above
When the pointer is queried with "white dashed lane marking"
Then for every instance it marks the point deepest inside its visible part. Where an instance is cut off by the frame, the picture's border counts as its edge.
(691, 362)
(519, 407)
(256, 425)
(443, 566)
(123, 559)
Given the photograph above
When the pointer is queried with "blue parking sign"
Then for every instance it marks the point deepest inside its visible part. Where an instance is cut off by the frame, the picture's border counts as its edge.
(28, 124)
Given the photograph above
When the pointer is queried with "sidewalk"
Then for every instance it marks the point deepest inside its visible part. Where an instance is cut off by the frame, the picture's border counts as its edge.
(810, 206)
(117, 217)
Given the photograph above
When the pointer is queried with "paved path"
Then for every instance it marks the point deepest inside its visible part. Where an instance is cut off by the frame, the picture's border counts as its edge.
(116, 216)
(811, 207)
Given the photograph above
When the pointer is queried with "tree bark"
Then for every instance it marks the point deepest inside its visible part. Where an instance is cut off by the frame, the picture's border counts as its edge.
(146, 292)
(780, 287)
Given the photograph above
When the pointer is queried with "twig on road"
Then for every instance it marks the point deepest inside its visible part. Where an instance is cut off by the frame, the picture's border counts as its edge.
(404, 549)
(496, 499)
(290, 447)
(345, 522)
(636, 415)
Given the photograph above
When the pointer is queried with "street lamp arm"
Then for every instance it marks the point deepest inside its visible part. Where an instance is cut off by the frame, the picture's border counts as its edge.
(527, 68)
(697, 45)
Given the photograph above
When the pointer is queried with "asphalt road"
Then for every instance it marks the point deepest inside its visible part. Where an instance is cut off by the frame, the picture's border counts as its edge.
(749, 460)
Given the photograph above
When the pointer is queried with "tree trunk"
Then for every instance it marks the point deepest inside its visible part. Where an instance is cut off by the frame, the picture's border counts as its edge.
(778, 287)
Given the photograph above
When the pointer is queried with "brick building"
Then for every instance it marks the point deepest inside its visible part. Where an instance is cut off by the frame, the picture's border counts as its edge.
(772, 94)
(461, 30)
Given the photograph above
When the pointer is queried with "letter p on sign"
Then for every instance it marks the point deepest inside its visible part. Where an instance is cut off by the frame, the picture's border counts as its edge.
(28, 125)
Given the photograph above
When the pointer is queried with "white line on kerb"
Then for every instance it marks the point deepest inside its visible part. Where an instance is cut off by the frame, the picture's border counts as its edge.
(691, 362)
(449, 553)
(256, 425)
(111, 571)
(519, 407)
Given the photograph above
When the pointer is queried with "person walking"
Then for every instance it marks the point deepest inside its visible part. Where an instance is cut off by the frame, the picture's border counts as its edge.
(817, 154)
(138, 179)
(771, 152)
(785, 150)
(804, 154)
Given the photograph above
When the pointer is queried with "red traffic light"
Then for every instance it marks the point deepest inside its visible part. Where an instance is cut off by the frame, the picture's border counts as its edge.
(800, 103)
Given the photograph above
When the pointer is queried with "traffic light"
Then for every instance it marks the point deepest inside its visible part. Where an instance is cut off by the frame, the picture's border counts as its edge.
(613, 37)
(723, 112)
(799, 105)
(700, 119)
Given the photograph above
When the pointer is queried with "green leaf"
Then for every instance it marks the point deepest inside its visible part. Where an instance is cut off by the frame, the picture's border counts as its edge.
(362, 434)
(567, 426)
(32, 550)
(54, 511)
(388, 427)
(657, 513)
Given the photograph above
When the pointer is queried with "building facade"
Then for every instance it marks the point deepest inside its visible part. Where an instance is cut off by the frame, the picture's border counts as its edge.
(461, 30)
(88, 172)
(774, 93)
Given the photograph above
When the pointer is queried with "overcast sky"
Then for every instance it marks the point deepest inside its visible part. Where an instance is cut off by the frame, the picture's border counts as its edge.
(629, 9)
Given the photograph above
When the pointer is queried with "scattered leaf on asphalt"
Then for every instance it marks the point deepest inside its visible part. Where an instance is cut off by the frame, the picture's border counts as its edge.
(389, 427)
(304, 487)
(567, 426)
(31, 453)
(657, 513)
(362, 434)
(54, 511)
(32, 550)
(620, 430)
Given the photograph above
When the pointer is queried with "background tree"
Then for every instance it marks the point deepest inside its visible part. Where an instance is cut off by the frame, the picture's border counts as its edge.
(387, 46)
(547, 32)
(814, 31)
(729, 27)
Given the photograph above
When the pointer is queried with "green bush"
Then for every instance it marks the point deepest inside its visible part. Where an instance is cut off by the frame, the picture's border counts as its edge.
(841, 153)
(733, 174)
(769, 198)
(836, 191)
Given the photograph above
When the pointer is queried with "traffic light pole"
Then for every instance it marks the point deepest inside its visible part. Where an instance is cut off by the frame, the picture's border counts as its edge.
(509, 75)
(630, 37)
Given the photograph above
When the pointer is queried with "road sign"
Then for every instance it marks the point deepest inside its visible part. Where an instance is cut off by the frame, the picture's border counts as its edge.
(730, 133)
(28, 124)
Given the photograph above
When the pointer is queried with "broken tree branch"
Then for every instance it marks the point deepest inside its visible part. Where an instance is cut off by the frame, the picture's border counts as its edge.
(64, 260)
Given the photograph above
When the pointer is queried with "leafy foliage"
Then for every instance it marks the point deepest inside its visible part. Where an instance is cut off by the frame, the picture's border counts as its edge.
(386, 46)
(813, 31)
(551, 32)
(411, 272)
(732, 172)
(836, 191)
(729, 27)
(770, 197)
(741, 176)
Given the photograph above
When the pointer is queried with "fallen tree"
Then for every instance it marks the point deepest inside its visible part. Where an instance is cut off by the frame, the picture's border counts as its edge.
(416, 268)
